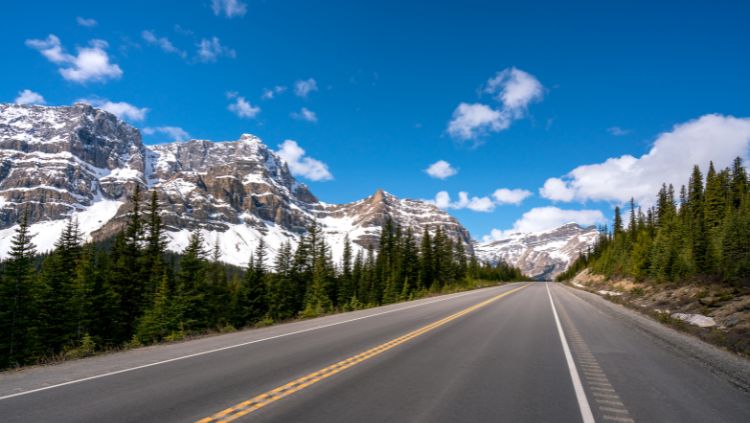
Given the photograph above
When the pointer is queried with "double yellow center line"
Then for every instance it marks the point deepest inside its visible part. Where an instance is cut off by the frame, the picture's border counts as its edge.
(260, 401)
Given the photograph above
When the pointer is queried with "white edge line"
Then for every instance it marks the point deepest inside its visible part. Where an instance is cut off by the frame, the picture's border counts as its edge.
(583, 402)
(198, 354)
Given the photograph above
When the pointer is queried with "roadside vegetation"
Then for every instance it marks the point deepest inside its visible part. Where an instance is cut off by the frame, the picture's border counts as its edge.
(702, 236)
(686, 259)
(83, 298)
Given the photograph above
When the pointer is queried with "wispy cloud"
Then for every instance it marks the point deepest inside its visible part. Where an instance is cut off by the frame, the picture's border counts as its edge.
(92, 63)
(306, 115)
(241, 107)
(617, 131)
(441, 170)
(304, 87)
(88, 23)
(29, 97)
(270, 93)
(209, 50)
(302, 165)
(229, 8)
(163, 43)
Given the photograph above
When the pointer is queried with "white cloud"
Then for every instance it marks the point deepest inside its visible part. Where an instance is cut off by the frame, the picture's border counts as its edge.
(306, 115)
(88, 23)
(713, 137)
(90, 64)
(304, 87)
(163, 43)
(510, 196)
(209, 50)
(29, 97)
(478, 204)
(513, 89)
(174, 133)
(556, 189)
(120, 109)
(301, 165)
(617, 131)
(545, 218)
(229, 8)
(441, 170)
(241, 107)
(269, 93)
(473, 120)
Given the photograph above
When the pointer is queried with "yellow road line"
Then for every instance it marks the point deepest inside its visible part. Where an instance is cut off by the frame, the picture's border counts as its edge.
(259, 401)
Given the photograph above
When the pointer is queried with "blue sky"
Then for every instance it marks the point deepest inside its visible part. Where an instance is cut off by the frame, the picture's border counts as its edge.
(549, 88)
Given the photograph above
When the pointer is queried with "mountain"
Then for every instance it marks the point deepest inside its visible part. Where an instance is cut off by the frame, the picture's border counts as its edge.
(81, 162)
(540, 255)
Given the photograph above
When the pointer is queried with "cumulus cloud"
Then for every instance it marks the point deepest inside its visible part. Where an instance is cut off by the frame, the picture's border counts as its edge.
(479, 204)
(474, 120)
(545, 218)
(617, 131)
(305, 114)
(241, 107)
(270, 93)
(173, 133)
(712, 137)
(304, 87)
(29, 97)
(163, 43)
(441, 170)
(209, 50)
(90, 64)
(510, 196)
(302, 165)
(229, 8)
(88, 23)
(513, 90)
(120, 109)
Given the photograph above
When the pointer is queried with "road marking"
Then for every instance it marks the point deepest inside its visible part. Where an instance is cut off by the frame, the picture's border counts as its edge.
(245, 407)
(583, 402)
(595, 377)
(229, 347)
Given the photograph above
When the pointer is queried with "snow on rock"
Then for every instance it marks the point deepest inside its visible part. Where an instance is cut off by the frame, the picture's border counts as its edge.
(695, 319)
(541, 255)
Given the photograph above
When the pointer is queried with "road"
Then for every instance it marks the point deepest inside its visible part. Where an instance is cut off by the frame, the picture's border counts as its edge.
(536, 352)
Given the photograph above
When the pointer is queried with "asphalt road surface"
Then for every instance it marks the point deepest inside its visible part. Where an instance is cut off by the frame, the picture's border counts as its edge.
(536, 352)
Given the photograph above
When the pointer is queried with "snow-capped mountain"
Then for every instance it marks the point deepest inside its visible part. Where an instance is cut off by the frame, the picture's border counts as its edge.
(82, 162)
(540, 255)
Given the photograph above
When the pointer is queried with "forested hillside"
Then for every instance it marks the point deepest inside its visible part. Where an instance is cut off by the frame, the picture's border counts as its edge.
(81, 298)
(701, 234)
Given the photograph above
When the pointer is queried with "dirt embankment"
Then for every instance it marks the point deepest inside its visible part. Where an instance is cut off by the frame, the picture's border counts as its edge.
(716, 313)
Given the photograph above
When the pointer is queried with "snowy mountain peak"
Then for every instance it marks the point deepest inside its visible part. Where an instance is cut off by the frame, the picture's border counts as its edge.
(79, 161)
(543, 254)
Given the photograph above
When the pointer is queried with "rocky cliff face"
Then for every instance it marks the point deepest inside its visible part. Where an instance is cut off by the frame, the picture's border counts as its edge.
(540, 255)
(81, 162)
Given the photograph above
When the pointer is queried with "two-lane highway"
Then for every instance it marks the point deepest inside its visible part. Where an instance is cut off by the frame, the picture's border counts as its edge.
(517, 352)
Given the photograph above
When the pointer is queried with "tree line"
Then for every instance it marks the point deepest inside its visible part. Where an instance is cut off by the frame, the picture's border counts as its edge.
(703, 235)
(83, 297)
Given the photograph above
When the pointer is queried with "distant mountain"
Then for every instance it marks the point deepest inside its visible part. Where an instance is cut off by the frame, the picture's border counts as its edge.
(82, 162)
(540, 255)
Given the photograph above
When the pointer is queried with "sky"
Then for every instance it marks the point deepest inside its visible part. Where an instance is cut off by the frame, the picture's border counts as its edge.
(511, 116)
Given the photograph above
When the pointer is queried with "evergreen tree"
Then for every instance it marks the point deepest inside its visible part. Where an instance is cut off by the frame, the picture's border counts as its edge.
(17, 315)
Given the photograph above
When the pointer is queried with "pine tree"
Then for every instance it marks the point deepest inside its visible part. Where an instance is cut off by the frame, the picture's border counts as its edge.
(17, 315)
(191, 284)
